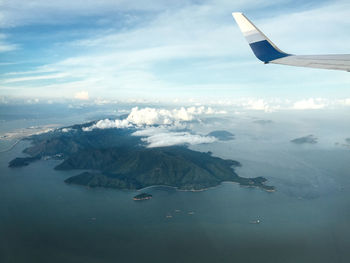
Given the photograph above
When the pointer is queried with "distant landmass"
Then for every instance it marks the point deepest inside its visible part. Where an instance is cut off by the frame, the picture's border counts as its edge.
(311, 139)
(263, 122)
(345, 144)
(116, 159)
(222, 135)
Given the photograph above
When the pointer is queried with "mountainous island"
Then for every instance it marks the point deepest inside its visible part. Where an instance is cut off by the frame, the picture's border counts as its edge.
(114, 158)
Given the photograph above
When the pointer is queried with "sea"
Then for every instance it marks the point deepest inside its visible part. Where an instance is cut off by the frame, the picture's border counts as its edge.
(307, 219)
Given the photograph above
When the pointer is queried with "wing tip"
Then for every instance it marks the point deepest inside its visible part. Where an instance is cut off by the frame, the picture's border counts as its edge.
(236, 14)
(262, 47)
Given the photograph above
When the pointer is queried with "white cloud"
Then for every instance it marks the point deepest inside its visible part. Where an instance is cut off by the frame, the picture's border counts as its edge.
(41, 77)
(163, 139)
(128, 62)
(168, 122)
(5, 46)
(66, 130)
(19, 12)
(82, 95)
(309, 104)
(257, 104)
(152, 116)
(33, 101)
(124, 60)
(260, 104)
(345, 102)
(108, 124)
(326, 38)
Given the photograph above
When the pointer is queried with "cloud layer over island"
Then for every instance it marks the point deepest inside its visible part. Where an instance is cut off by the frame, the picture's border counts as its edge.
(161, 137)
(161, 127)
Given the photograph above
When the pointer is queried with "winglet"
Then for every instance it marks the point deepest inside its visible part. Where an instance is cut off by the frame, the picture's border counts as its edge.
(262, 47)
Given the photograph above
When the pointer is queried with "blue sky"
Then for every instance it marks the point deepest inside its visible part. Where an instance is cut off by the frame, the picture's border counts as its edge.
(167, 50)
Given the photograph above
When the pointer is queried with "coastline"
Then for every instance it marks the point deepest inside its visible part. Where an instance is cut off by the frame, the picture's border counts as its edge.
(11, 147)
(204, 189)
(20, 134)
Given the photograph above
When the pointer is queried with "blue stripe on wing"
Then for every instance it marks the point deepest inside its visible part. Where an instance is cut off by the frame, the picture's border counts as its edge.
(264, 51)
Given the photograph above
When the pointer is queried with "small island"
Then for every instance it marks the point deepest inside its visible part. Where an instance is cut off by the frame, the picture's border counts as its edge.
(142, 196)
(22, 161)
(263, 122)
(222, 135)
(311, 139)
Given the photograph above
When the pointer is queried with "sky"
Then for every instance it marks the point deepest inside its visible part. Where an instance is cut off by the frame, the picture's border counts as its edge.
(169, 50)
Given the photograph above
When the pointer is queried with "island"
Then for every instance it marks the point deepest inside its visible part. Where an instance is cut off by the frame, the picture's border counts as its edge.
(311, 139)
(22, 161)
(263, 122)
(222, 135)
(114, 158)
(142, 196)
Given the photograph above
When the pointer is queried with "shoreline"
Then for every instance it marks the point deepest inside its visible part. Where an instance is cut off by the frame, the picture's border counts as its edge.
(11, 147)
(24, 133)
(178, 189)
(204, 189)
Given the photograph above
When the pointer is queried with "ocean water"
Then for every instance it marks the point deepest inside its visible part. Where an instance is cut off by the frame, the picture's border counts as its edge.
(306, 220)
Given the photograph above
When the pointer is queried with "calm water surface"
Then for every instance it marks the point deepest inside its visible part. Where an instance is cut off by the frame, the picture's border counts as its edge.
(306, 220)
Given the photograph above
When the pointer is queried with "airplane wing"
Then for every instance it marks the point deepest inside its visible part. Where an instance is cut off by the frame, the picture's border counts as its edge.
(268, 52)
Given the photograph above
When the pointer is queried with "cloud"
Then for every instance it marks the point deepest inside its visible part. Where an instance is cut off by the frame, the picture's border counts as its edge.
(18, 12)
(260, 105)
(82, 95)
(161, 139)
(257, 105)
(128, 59)
(145, 52)
(108, 124)
(40, 77)
(309, 104)
(153, 116)
(5, 46)
(150, 116)
(345, 102)
(160, 127)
